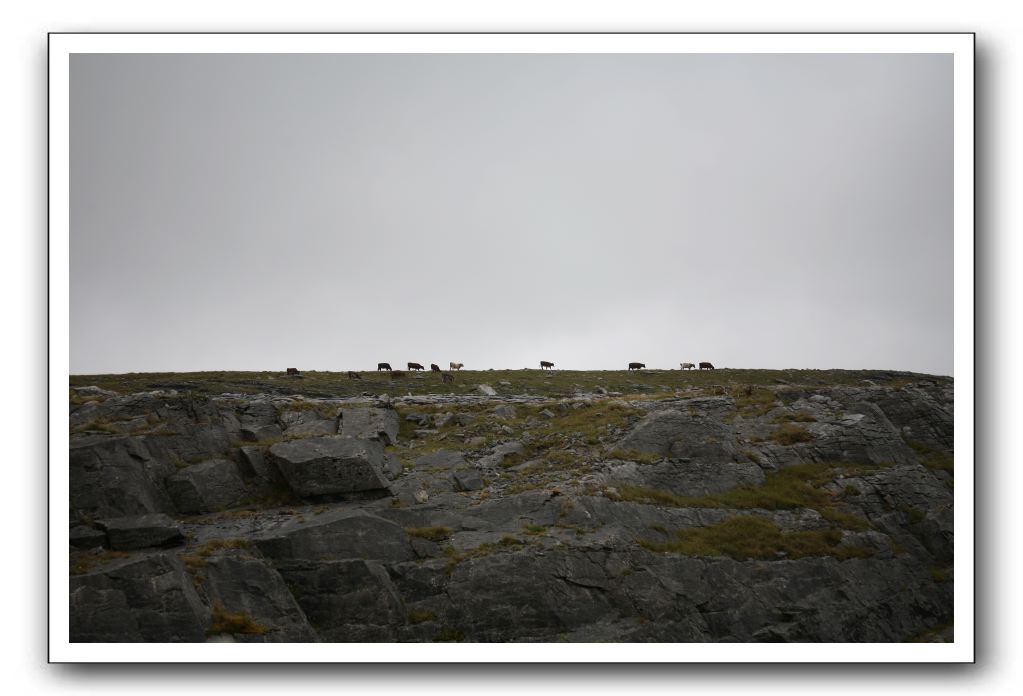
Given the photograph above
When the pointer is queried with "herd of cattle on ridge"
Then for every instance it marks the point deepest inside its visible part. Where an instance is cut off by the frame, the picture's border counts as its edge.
(453, 366)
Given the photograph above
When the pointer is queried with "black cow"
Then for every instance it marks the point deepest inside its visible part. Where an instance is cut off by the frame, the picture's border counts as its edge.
(706, 366)
(383, 366)
(434, 367)
(544, 365)
(636, 366)
(354, 375)
(415, 366)
(293, 371)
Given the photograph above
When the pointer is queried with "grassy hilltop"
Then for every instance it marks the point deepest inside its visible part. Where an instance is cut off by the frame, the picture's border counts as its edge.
(524, 381)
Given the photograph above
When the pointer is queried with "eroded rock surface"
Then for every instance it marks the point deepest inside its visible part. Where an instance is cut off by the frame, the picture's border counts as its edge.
(484, 517)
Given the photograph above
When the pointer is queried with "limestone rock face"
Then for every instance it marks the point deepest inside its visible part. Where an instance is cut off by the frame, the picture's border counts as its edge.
(339, 535)
(331, 465)
(149, 598)
(252, 588)
(308, 423)
(683, 435)
(564, 516)
(118, 476)
(205, 487)
(370, 423)
(127, 533)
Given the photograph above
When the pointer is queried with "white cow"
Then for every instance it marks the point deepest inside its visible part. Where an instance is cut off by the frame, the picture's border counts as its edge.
(456, 366)
(687, 366)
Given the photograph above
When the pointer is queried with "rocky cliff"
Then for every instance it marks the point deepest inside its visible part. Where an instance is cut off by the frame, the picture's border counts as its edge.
(729, 510)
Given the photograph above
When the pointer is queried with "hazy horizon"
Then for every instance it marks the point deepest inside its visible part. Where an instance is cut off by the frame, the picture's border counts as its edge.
(328, 212)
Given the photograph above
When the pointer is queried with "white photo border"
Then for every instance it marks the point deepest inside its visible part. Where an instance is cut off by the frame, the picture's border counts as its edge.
(62, 45)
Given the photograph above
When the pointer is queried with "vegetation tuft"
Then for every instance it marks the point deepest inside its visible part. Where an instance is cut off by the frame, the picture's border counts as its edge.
(790, 434)
(225, 621)
(430, 533)
(750, 537)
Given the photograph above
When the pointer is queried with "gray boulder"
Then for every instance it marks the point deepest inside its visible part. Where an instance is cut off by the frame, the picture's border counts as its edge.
(149, 598)
(691, 478)
(261, 433)
(505, 411)
(83, 537)
(440, 460)
(501, 453)
(683, 435)
(347, 601)
(114, 477)
(250, 587)
(253, 462)
(487, 390)
(337, 534)
(370, 423)
(100, 615)
(466, 480)
(331, 465)
(206, 487)
(129, 533)
(307, 423)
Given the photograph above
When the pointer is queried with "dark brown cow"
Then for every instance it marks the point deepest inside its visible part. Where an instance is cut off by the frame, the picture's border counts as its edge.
(636, 366)
(383, 366)
(706, 366)
(434, 367)
(293, 371)
(414, 366)
(354, 375)
(447, 377)
(395, 374)
(544, 365)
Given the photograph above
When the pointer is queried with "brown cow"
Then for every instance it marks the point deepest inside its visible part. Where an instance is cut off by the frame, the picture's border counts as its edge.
(706, 366)
(354, 375)
(544, 365)
(383, 366)
(636, 366)
(434, 367)
(414, 366)
(447, 377)
(293, 371)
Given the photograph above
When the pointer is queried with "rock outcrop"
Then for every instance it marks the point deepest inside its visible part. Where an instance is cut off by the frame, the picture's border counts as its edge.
(785, 512)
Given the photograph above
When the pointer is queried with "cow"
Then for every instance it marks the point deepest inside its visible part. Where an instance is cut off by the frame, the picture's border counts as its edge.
(395, 374)
(687, 366)
(447, 377)
(434, 367)
(414, 366)
(354, 375)
(544, 365)
(706, 366)
(636, 366)
(293, 371)
(383, 366)
(456, 366)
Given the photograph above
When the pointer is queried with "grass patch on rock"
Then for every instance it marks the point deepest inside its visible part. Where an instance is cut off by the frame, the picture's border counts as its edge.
(933, 458)
(747, 537)
(434, 534)
(224, 621)
(791, 488)
(790, 434)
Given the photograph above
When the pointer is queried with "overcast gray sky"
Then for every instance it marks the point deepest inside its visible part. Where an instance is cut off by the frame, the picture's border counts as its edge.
(257, 212)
